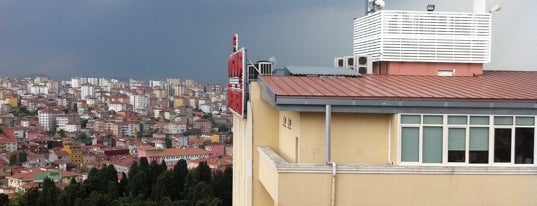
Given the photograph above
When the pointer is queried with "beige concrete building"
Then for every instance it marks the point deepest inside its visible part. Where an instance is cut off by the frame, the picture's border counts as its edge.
(398, 133)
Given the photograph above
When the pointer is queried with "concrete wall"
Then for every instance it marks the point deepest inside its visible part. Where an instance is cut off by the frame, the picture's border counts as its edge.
(353, 136)
(260, 129)
(401, 189)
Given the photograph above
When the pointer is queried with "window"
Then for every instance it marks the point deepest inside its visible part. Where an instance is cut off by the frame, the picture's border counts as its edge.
(467, 139)
(445, 73)
(289, 123)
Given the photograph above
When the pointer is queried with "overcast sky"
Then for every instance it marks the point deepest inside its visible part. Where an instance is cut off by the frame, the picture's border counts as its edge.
(156, 39)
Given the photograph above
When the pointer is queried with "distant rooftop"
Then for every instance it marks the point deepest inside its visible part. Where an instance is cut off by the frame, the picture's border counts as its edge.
(319, 71)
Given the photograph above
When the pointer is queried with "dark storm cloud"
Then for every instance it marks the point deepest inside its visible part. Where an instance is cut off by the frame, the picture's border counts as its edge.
(188, 38)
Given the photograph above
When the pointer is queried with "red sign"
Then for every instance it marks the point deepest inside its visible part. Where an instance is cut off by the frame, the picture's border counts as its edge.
(235, 42)
(236, 67)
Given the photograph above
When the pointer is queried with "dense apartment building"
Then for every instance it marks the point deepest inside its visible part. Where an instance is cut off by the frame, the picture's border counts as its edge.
(420, 124)
(47, 118)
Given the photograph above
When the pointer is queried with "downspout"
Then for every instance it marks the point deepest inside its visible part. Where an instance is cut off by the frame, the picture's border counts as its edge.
(328, 115)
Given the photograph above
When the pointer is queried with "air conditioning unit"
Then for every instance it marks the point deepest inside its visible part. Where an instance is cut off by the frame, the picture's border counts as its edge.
(339, 62)
(364, 64)
(349, 61)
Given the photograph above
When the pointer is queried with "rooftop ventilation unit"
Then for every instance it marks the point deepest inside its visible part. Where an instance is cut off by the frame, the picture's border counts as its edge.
(364, 64)
(339, 62)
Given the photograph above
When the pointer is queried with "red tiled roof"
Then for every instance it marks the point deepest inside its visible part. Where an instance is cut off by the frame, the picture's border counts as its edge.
(178, 152)
(492, 85)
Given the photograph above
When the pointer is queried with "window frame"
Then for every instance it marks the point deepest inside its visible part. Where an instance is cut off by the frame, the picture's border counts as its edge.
(445, 142)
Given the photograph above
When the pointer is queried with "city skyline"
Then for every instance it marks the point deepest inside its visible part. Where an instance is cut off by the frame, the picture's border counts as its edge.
(148, 41)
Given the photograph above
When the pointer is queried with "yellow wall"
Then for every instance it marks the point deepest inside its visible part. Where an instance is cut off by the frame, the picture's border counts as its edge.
(288, 135)
(401, 189)
(245, 141)
(68, 149)
(12, 101)
(353, 136)
(215, 138)
(265, 133)
(178, 102)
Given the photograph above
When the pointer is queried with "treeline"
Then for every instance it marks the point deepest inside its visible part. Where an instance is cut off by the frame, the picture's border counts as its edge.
(148, 184)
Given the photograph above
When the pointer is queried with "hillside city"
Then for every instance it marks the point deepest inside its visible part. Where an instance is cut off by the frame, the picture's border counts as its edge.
(62, 129)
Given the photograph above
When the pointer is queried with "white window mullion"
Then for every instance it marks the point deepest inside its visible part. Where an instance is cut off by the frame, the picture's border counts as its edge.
(420, 143)
(534, 143)
(513, 137)
(491, 140)
(445, 141)
(467, 144)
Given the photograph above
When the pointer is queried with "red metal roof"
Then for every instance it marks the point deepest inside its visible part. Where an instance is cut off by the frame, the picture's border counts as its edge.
(492, 85)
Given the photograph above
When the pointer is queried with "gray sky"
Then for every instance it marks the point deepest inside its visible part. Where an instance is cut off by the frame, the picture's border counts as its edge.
(192, 38)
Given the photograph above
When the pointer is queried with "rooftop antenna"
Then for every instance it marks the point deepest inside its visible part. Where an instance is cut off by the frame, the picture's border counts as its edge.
(274, 61)
(495, 8)
(374, 5)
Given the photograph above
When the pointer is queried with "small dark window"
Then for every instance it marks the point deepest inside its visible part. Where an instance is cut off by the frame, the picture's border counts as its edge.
(524, 142)
(502, 145)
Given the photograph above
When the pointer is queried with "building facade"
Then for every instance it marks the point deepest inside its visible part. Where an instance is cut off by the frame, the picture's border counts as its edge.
(404, 134)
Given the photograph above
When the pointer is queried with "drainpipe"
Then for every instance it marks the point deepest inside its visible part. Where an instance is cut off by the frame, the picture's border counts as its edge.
(328, 115)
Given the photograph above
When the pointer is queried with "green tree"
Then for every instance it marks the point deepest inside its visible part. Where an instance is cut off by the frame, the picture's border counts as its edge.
(180, 171)
(4, 199)
(162, 186)
(49, 193)
(123, 184)
(13, 160)
(203, 172)
(223, 184)
(93, 181)
(169, 143)
(112, 190)
(30, 197)
(61, 133)
(129, 201)
(23, 157)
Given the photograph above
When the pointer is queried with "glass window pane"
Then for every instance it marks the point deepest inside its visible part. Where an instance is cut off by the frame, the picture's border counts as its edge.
(432, 144)
(530, 121)
(410, 119)
(524, 141)
(457, 120)
(410, 144)
(479, 120)
(479, 145)
(502, 145)
(500, 120)
(456, 144)
(456, 138)
(430, 119)
(479, 139)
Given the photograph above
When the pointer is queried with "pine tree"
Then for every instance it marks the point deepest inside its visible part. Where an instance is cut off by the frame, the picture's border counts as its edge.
(4, 199)
(203, 172)
(123, 184)
(49, 194)
(180, 171)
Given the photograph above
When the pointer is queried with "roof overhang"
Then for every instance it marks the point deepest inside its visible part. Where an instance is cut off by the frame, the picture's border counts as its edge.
(394, 106)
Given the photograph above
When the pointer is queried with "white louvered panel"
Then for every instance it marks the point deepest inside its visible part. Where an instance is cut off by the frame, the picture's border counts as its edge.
(424, 36)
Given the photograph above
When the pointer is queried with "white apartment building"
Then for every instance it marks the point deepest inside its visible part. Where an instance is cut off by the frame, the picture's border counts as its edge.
(47, 118)
(139, 102)
(87, 91)
(117, 106)
(175, 128)
(38, 89)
